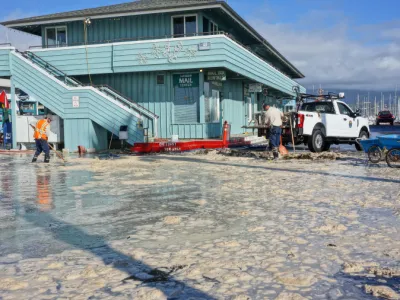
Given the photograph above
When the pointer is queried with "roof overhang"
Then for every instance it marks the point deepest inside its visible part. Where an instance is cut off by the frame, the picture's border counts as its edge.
(17, 24)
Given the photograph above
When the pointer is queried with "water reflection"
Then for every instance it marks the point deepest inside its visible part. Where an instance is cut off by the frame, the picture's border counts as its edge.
(43, 193)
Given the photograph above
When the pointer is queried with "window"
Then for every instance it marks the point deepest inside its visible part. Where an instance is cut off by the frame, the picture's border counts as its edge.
(184, 26)
(160, 79)
(322, 107)
(344, 110)
(56, 36)
(214, 28)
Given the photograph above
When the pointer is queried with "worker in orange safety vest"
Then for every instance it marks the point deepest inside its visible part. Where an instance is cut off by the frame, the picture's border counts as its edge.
(41, 136)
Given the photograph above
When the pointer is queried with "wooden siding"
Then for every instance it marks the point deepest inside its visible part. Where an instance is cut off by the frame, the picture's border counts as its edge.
(84, 132)
(5, 61)
(142, 88)
(128, 57)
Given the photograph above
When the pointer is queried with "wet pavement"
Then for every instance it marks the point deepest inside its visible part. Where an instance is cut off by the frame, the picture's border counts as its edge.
(205, 226)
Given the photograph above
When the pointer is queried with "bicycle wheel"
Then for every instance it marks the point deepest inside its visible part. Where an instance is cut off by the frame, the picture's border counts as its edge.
(393, 158)
(375, 154)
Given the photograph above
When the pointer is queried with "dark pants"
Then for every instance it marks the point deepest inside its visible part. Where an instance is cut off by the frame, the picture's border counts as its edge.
(42, 146)
(275, 137)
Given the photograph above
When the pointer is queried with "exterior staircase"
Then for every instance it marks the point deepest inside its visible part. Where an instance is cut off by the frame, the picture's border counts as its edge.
(101, 104)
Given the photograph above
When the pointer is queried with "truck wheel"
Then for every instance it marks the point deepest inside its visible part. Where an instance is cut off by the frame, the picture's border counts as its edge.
(363, 136)
(326, 147)
(316, 141)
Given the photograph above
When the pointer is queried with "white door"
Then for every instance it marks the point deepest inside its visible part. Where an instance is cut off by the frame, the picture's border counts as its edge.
(347, 122)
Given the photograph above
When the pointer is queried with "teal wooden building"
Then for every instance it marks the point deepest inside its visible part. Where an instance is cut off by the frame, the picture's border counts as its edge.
(160, 67)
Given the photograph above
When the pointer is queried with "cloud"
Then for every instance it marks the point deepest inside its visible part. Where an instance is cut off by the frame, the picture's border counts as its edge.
(18, 39)
(336, 57)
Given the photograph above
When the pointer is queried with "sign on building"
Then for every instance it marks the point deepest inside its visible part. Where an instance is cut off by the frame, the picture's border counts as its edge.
(216, 76)
(255, 87)
(205, 46)
(75, 101)
(186, 80)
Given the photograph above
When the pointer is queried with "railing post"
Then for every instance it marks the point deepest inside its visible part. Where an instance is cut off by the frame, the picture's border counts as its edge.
(13, 115)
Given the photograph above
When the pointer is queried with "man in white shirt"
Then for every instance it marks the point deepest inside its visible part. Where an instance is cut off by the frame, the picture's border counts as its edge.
(273, 118)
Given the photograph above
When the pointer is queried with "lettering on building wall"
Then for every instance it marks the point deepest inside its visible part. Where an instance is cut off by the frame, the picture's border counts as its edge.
(172, 52)
(216, 76)
(186, 80)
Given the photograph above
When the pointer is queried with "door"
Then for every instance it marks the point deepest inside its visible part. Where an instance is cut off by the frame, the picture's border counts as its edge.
(56, 36)
(348, 124)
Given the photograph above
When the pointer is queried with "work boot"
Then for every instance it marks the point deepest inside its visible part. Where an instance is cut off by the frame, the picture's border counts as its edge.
(275, 153)
(34, 159)
(47, 159)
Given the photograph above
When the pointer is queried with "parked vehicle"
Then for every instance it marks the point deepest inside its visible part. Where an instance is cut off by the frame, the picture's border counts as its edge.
(323, 121)
(385, 117)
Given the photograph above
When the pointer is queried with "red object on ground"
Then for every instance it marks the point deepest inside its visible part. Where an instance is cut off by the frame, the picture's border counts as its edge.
(168, 146)
(4, 100)
(282, 149)
(157, 147)
(81, 150)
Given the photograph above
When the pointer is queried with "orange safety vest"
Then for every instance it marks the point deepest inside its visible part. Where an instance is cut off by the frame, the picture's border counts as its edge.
(40, 130)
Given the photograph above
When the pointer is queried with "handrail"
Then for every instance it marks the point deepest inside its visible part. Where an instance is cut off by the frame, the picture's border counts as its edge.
(115, 93)
(136, 39)
(5, 44)
(102, 88)
(228, 35)
(50, 68)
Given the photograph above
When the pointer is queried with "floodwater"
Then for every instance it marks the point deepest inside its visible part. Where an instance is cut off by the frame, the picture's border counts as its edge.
(205, 226)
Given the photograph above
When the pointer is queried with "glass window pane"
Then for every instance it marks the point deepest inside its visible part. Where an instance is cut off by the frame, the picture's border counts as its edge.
(344, 110)
(160, 79)
(51, 36)
(61, 36)
(191, 25)
(179, 29)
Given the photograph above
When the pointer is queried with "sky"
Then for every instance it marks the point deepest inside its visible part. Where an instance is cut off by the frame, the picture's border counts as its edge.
(340, 44)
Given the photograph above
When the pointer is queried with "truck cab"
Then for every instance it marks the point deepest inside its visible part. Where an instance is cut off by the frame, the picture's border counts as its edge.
(325, 121)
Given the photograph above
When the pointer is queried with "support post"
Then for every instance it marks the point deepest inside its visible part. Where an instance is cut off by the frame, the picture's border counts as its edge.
(13, 115)
(202, 102)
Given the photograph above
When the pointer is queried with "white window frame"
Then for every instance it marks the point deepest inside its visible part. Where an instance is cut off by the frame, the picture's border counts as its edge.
(184, 21)
(56, 27)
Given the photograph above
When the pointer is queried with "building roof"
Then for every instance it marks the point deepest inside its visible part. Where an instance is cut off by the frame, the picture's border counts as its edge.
(143, 7)
(129, 7)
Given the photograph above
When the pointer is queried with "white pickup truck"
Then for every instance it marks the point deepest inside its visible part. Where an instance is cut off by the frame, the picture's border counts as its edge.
(319, 124)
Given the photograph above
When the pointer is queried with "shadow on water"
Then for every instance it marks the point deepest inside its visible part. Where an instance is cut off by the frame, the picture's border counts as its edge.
(215, 163)
(76, 237)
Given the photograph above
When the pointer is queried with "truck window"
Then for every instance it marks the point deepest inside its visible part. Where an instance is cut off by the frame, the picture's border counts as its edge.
(344, 110)
(321, 107)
